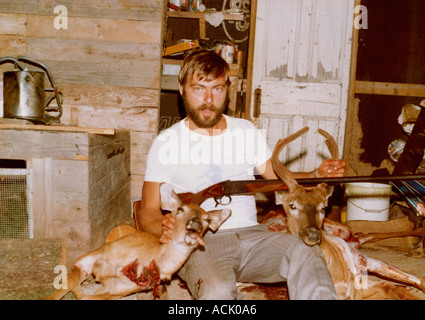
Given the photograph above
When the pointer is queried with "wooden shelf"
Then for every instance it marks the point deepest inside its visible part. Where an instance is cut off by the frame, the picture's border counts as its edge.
(64, 128)
(392, 89)
(201, 15)
(169, 82)
(235, 69)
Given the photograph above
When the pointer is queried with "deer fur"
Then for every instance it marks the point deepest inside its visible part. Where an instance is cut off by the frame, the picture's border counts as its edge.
(348, 267)
(305, 206)
(138, 261)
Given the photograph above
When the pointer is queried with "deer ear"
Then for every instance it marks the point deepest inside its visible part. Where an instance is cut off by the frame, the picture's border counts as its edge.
(328, 190)
(280, 197)
(170, 201)
(217, 217)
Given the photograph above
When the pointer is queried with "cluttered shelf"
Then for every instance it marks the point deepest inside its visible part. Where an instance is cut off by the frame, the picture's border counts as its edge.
(173, 54)
(171, 67)
(189, 25)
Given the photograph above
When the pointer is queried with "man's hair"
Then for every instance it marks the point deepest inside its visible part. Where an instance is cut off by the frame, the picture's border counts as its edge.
(206, 65)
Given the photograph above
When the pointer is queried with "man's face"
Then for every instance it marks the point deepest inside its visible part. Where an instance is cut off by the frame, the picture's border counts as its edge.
(205, 101)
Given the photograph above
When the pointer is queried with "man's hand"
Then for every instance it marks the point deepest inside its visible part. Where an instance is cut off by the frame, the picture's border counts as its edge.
(167, 228)
(331, 168)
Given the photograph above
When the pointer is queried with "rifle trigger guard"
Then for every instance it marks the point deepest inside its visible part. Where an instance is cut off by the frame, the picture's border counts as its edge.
(219, 200)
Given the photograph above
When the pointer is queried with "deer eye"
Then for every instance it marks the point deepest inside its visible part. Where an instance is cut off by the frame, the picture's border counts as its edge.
(292, 206)
(179, 210)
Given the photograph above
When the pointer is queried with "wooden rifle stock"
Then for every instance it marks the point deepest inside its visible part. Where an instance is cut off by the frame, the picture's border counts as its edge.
(226, 189)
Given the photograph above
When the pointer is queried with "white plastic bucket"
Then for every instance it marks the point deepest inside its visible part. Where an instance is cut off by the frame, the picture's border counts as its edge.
(368, 201)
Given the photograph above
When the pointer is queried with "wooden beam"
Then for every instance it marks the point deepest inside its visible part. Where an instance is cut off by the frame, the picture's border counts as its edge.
(105, 131)
(391, 89)
(202, 29)
(246, 112)
(352, 103)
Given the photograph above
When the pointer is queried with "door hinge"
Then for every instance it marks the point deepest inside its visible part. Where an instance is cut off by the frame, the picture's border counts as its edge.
(257, 103)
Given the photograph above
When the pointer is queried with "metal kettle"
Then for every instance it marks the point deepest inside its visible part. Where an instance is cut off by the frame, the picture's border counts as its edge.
(24, 93)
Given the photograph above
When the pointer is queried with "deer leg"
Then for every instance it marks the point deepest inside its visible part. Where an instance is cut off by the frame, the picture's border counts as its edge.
(78, 292)
(104, 292)
(102, 296)
(372, 237)
(392, 273)
(384, 290)
(337, 229)
(74, 280)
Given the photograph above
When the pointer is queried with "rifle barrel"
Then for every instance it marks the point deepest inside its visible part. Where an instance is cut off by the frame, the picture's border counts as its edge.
(266, 185)
(235, 187)
(350, 179)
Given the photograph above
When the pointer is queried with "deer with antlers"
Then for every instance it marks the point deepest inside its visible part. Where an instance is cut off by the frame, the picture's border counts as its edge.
(305, 210)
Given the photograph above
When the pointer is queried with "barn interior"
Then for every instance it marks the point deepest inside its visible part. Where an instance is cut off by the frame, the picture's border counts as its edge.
(73, 169)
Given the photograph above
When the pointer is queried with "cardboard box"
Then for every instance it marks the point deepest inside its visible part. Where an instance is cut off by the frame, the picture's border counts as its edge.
(181, 47)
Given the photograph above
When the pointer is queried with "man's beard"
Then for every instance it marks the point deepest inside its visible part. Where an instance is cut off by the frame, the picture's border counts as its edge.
(195, 113)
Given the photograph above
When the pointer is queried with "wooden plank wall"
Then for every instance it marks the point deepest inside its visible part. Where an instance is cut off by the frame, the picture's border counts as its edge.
(106, 63)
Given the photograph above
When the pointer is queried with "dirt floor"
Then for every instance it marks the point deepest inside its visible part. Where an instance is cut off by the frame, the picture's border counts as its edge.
(27, 268)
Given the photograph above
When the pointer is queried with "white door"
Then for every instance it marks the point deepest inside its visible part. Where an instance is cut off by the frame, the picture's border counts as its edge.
(302, 64)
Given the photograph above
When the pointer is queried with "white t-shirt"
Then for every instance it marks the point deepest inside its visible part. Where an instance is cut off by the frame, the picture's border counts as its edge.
(190, 162)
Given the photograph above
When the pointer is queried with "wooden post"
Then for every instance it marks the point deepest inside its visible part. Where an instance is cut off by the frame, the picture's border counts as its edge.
(202, 29)
(246, 109)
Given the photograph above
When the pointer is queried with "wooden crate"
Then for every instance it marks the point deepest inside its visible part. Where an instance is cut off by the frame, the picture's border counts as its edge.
(81, 182)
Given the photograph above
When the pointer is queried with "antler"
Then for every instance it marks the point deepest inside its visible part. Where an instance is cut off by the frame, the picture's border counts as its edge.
(330, 143)
(283, 173)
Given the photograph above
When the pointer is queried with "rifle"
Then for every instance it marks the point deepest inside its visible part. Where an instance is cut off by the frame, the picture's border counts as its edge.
(222, 191)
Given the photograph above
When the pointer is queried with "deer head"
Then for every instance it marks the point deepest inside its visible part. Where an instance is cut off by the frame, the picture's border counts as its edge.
(191, 220)
(304, 206)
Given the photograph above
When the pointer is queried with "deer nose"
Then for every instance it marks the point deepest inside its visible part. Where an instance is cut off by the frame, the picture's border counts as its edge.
(311, 236)
(194, 224)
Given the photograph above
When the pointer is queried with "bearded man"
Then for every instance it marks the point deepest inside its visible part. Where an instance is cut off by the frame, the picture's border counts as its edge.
(208, 147)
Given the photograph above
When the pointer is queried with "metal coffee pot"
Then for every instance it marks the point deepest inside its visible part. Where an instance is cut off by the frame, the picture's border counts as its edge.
(24, 93)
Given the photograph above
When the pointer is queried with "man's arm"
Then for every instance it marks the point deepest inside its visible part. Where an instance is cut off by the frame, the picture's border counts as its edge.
(328, 168)
(150, 217)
